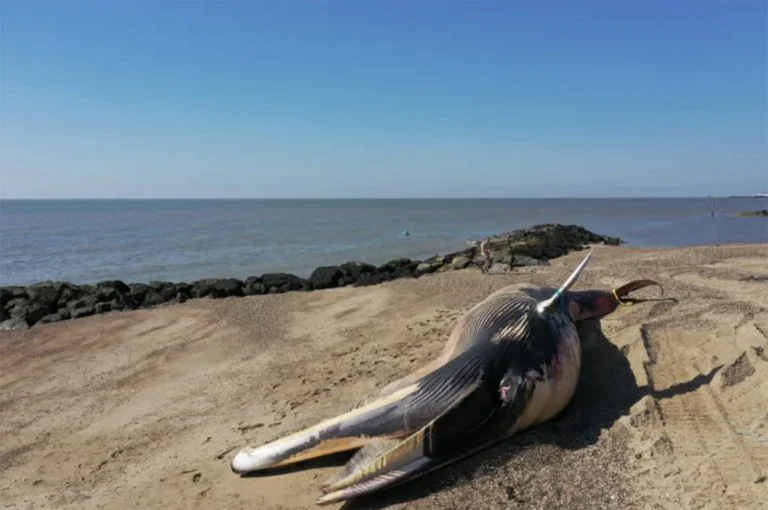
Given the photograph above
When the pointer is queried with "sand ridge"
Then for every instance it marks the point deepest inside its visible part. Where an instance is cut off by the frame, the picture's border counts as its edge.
(146, 408)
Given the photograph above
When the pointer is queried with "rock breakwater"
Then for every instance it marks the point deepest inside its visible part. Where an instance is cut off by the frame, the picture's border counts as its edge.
(52, 301)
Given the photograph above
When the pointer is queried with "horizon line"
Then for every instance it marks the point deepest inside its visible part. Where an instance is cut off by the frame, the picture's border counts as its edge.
(604, 197)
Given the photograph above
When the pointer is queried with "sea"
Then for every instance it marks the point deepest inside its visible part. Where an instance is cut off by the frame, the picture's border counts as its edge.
(85, 241)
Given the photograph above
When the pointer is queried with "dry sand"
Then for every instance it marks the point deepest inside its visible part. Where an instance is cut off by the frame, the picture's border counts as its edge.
(145, 409)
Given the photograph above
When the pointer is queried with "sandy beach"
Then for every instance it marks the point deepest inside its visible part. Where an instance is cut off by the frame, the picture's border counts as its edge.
(144, 409)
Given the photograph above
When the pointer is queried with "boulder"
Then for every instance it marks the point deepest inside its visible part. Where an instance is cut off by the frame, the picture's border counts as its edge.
(118, 285)
(45, 293)
(29, 311)
(135, 297)
(83, 312)
(5, 295)
(166, 291)
(284, 282)
(460, 262)
(217, 288)
(13, 324)
(83, 307)
(9, 293)
(326, 277)
(103, 307)
(105, 293)
(423, 268)
(253, 286)
(366, 279)
(55, 317)
(353, 270)
(71, 292)
(152, 299)
(397, 268)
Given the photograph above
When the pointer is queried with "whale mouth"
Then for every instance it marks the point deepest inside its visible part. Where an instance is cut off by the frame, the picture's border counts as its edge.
(622, 293)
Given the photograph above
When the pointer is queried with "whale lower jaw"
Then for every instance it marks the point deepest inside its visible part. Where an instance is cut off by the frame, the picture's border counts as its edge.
(245, 461)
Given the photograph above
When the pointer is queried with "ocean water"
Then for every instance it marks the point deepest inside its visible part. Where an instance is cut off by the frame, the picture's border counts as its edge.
(84, 241)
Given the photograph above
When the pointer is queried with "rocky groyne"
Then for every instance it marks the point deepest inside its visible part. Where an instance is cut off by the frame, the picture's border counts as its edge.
(760, 212)
(52, 301)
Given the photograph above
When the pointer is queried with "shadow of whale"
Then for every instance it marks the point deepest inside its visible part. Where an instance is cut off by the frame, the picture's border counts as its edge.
(606, 391)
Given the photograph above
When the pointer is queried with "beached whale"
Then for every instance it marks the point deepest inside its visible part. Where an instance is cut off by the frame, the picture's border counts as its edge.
(512, 362)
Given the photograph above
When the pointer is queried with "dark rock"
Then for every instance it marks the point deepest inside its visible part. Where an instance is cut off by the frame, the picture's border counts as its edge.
(13, 324)
(435, 264)
(167, 291)
(217, 288)
(103, 307)
(353, 270)
(83, 302)
(51, 317)
(397, 268)
(253, 286)
(29, 311)
(15, 301)
(83, 307)
(105, 293)
(5, 295)
(61, 315)
(135, 298)
(118, 285)
(9, 293)
(423, 268)
(368, 279)
(45, 293)
(152, 299)
(460, 262)
(326, 277)
(83, 312)
(284, 282)
(70, 293)
(397, 263)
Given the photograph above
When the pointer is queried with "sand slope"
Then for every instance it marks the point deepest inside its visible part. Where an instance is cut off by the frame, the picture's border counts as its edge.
(144, 409)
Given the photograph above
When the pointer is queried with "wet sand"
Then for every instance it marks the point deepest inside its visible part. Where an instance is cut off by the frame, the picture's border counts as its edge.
(145, 409)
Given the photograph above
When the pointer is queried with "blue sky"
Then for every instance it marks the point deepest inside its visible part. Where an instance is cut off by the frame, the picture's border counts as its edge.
(382, 99)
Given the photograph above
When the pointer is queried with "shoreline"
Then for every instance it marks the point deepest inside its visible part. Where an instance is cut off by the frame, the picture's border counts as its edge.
(145, 409)
(23, 306)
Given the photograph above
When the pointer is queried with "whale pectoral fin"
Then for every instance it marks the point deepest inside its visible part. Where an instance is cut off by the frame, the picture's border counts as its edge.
(443, 440)
(345, 432)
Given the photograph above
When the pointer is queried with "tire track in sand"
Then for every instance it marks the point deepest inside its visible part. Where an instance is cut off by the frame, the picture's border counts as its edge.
(699, 447)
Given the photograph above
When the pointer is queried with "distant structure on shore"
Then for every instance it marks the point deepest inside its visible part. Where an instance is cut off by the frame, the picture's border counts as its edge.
(764, 194)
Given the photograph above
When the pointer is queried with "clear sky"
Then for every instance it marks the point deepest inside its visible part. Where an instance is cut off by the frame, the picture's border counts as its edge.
(149, 99)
